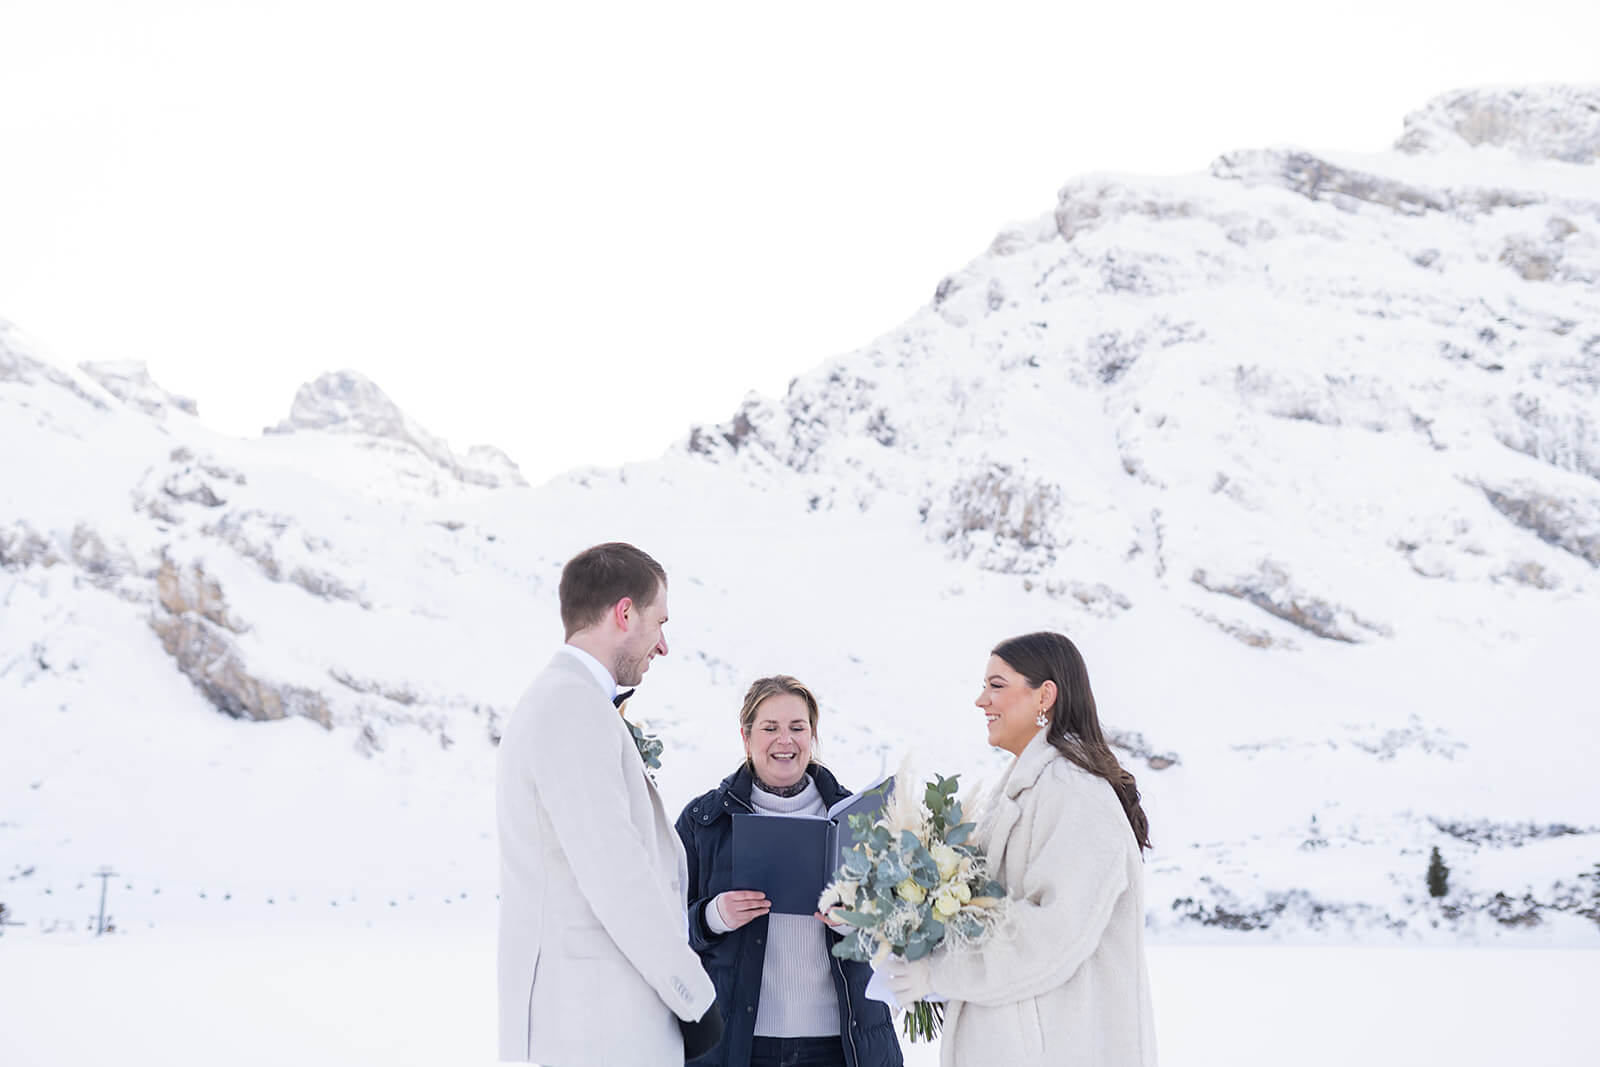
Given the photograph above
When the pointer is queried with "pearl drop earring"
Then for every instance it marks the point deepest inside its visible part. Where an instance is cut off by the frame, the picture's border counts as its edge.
(1040, 720)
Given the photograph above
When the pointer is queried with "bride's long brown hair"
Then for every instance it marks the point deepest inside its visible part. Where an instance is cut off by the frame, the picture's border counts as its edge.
(1074, 724)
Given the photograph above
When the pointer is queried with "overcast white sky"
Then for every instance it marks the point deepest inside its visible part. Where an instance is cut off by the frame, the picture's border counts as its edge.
(574, 230)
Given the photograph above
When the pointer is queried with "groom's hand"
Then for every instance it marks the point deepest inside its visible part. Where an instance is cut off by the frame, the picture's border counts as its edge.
(703, 1035)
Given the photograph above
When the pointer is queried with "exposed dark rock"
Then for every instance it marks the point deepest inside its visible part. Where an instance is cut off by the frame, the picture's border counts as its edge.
(326, 586)
(208, 657)
(90, 553)
(1225, 911)
(1318, 179)
(1532, 574)
(1096, 596)
(1556, 429)
(195, 626)
(1134, 744)
(1248, 635)
(189, 591)
(347, 402)
(399, 694)
(1415, 734)
(1087, 203)
(1006, 515)
(1270, 589)
(1570, 524)
(130, 382)
(21, 546)
(253, 534)
(1559, 122)
(16, 366)
(187, 487)
(1114, 354)
(879, 428)
(1505, 835)
(1535, 260)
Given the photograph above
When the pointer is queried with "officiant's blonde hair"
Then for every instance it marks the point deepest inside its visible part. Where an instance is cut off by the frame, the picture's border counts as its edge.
(777, 685)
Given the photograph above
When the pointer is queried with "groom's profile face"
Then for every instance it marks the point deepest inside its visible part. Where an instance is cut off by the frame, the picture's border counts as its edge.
(646, 639)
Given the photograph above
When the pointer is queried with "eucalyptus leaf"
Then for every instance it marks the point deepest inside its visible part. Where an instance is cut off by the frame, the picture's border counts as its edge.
(966, 925)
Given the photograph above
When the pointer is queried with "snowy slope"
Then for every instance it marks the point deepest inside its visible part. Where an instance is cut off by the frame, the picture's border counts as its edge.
(1303, 451)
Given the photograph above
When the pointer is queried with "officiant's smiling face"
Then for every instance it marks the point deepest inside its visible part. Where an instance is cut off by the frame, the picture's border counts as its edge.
(779, 740)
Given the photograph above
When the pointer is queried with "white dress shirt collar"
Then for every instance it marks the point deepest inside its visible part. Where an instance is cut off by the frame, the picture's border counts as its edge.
(601, 675)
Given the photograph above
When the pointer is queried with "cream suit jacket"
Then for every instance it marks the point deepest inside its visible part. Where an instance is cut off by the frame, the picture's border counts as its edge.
(594, 960)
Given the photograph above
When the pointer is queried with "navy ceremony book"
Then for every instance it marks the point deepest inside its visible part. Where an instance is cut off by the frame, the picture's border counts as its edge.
(791, 858)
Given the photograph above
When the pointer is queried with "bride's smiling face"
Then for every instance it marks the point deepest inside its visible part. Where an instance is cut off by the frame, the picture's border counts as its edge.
(779, 742)
(1011, 706)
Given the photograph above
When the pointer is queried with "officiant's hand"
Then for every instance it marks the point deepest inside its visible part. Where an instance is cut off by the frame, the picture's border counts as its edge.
(739, 906)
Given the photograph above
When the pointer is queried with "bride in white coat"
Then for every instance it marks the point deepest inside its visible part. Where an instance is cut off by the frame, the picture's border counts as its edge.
(1066, 980)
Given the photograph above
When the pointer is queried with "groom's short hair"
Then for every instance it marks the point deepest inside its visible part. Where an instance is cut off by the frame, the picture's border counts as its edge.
(598, 577)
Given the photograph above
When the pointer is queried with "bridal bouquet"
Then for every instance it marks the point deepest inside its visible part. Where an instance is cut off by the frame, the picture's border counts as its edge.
(911, 883)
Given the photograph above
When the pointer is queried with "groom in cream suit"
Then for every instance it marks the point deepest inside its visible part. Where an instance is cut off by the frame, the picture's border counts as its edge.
(595, 965)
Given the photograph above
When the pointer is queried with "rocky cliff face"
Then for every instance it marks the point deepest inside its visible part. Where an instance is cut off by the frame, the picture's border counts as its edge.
(130, 382)
(1310, 384)
(346, 402)
(1555, 122)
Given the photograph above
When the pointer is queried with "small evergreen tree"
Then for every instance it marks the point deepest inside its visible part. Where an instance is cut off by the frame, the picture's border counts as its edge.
(1438, 875)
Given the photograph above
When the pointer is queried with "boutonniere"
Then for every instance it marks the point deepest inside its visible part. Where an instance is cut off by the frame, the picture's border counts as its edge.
(649, 745)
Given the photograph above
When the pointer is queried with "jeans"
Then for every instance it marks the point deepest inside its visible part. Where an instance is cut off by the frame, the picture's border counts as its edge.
(797, 1052)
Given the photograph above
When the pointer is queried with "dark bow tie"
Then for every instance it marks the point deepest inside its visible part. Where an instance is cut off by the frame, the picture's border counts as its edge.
(617, 700)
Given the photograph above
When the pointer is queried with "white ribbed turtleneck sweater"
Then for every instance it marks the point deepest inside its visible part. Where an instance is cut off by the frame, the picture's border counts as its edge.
(797, 993)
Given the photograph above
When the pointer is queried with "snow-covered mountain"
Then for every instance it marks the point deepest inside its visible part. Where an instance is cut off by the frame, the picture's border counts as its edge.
(1303, 451)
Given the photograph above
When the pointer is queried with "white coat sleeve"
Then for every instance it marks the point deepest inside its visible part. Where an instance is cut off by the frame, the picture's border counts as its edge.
(578, 775)
(1075, 869)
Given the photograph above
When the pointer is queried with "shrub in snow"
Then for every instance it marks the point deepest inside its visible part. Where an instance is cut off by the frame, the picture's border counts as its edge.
(1438, 875)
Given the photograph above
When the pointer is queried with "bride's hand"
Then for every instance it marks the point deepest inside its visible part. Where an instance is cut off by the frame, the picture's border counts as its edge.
(837, 924)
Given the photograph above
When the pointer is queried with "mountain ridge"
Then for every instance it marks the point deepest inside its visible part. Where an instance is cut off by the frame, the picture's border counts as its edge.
(1301, 450)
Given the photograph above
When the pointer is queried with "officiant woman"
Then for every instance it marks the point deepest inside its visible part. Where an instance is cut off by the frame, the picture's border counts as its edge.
(784, 997)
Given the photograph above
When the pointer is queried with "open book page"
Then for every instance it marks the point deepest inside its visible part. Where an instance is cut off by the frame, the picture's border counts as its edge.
(865, 802)
(791, 858)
